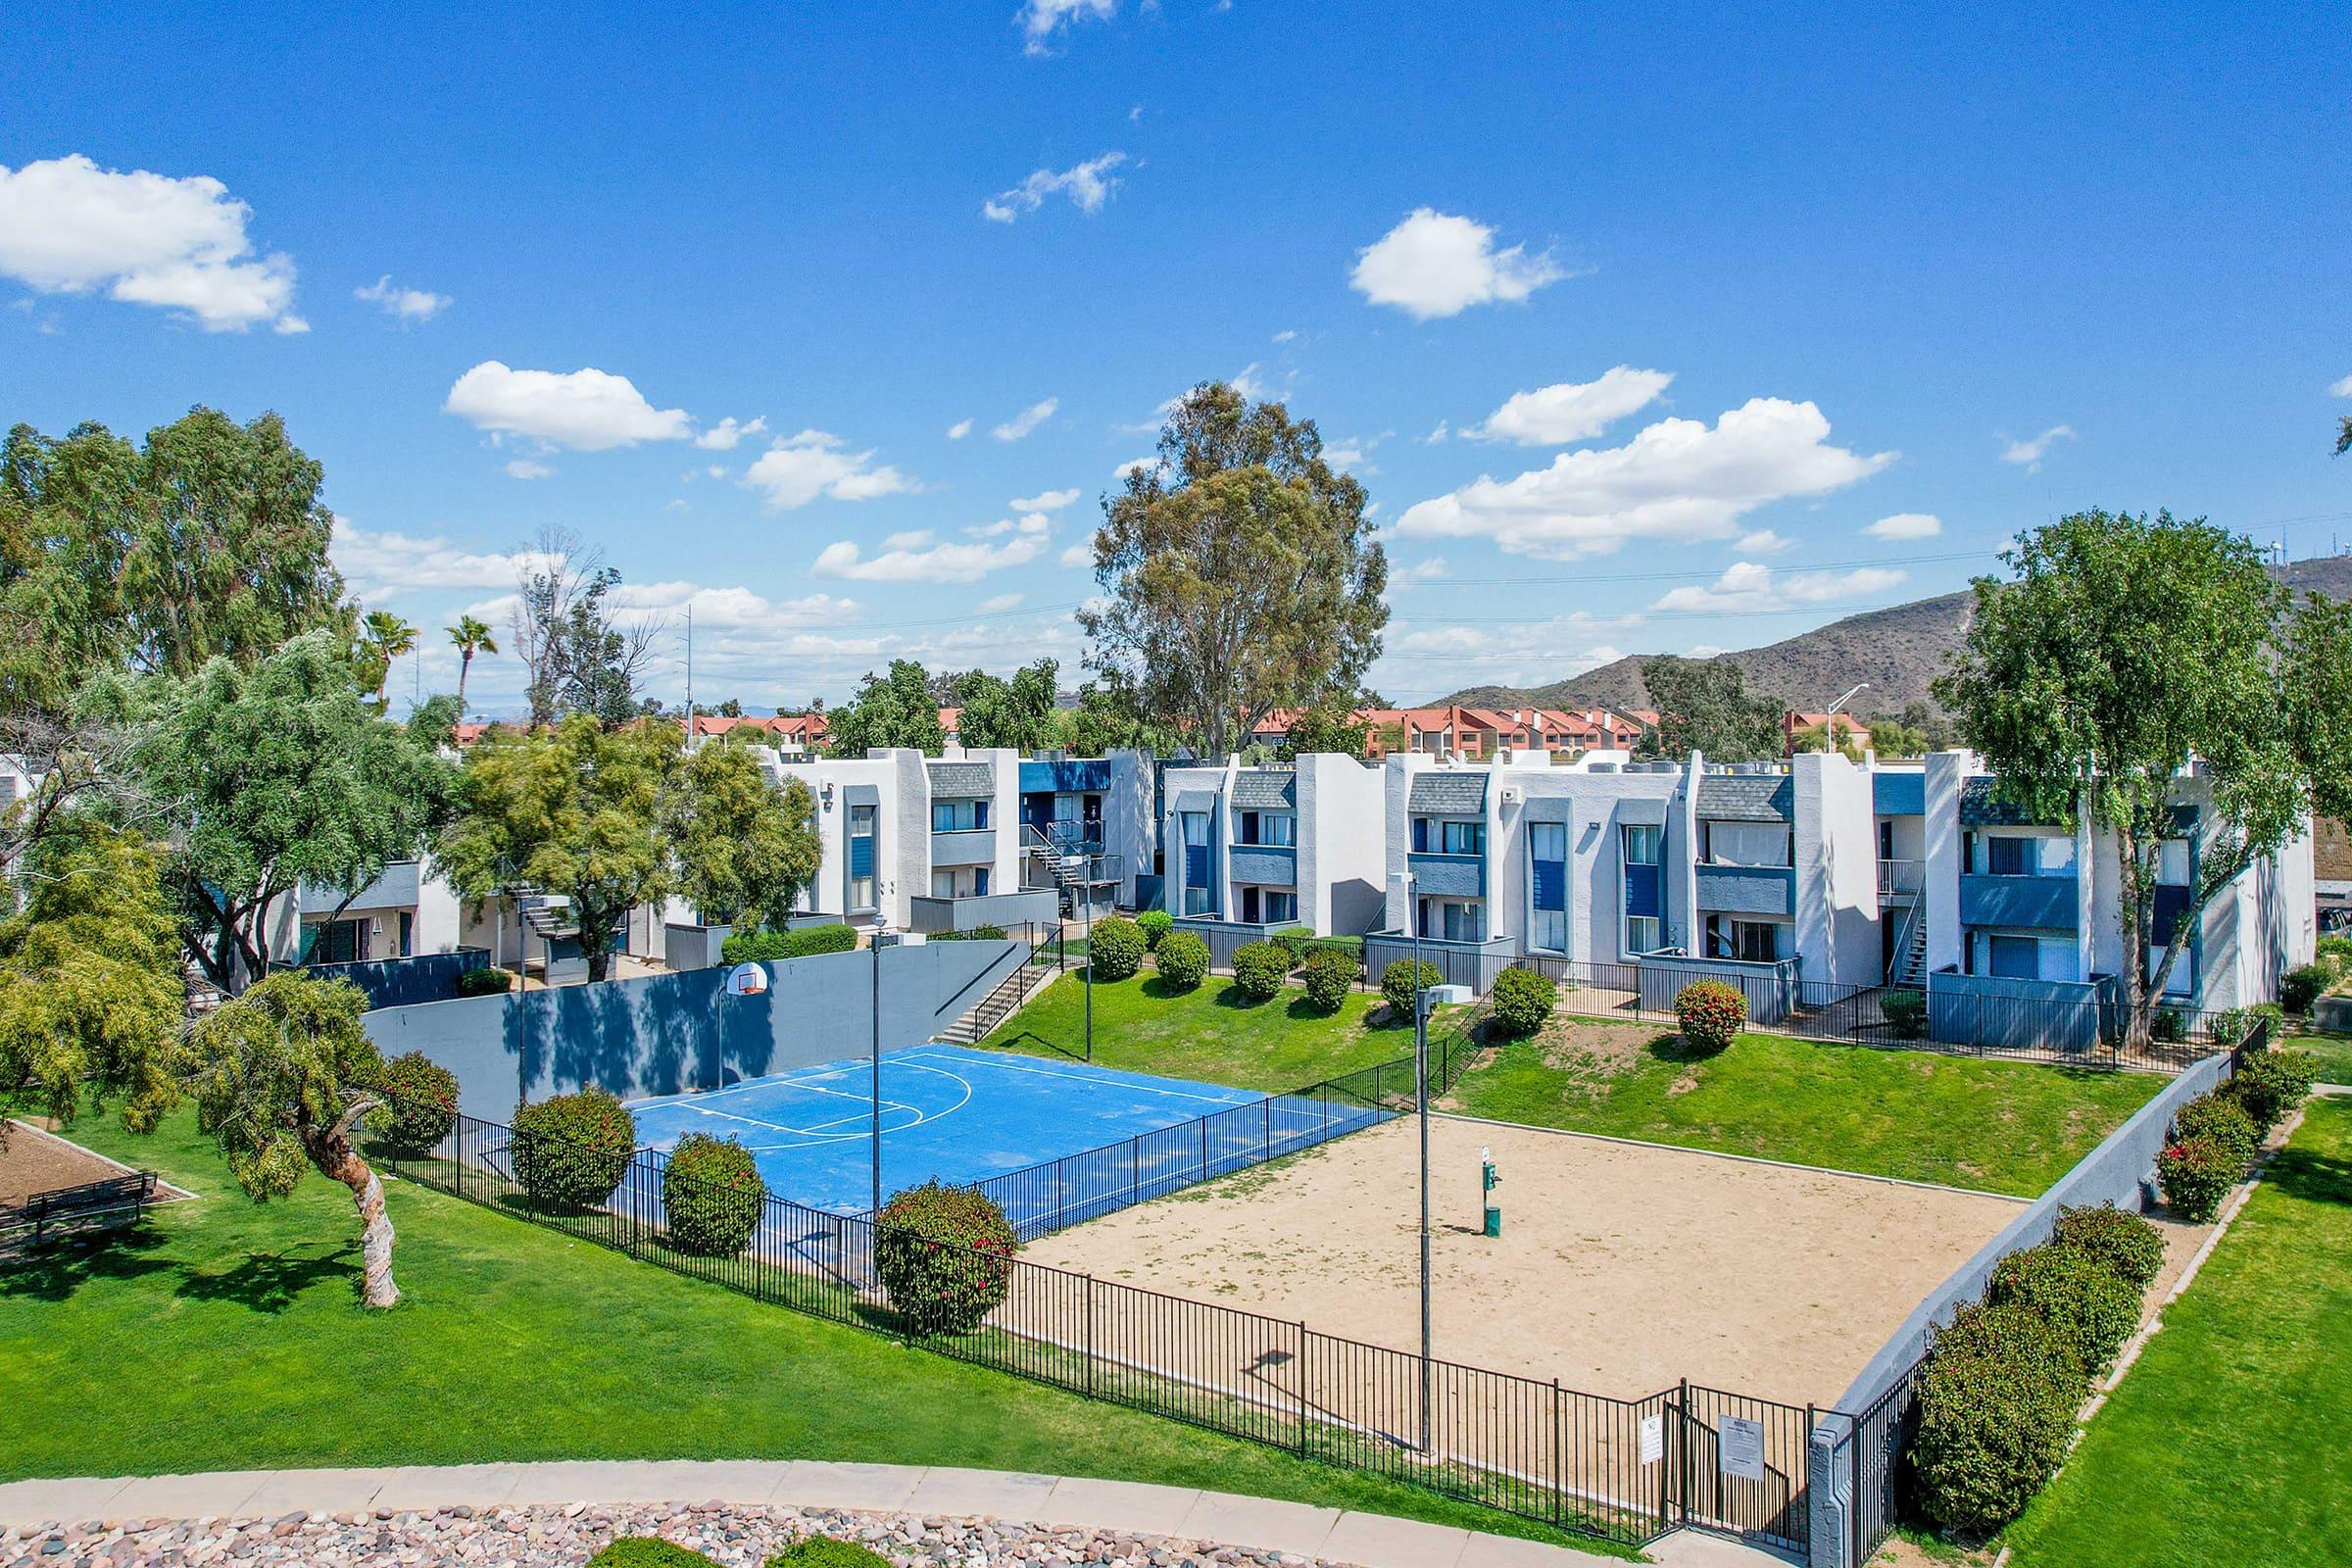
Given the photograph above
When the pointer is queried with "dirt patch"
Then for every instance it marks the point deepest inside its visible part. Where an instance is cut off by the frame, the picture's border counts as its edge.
(1589, 1054)
(1620, 1266)
(37, 1161)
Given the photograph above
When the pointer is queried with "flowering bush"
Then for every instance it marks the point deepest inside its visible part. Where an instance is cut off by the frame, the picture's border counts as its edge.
(945, 1255)
(421, 1102)
(2195, 1175)
(570, 1151)
(1711, 1015)
(2123, 1241)
(710, 1195)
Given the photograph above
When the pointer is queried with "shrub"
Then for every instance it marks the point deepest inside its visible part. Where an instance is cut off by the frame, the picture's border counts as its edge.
(486, 982)
(2234, 1026)
(1995, 1408)
(978, 933)
(421, 1102)
(2088, 1303)
(944, 1255)
(2299, 988)
(1328, 974)
(2222, 1119)
(2168, 1027)
(570, 1151)
(1154, 924)
(1258, 969)
(710, 1195)
(2196, 1174)
(1710, 1014)
(2334, 950)
(1183, 959)
(825, 1552)
(2123, 1241)
(1523, 1000)
(767, 947)
(1399, 980)
(1906, 1011)
(648, 1551)
(1293, 941)
(2270, 1083)
(1115, 950)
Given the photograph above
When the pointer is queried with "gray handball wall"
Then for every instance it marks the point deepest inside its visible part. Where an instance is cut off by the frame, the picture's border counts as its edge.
(671, 1032)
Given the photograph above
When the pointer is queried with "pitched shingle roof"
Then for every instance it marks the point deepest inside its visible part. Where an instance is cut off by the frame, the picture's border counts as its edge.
(1731, 798)
(1255, 791)
(1982, 805)
(1447, 792)
(960, 779)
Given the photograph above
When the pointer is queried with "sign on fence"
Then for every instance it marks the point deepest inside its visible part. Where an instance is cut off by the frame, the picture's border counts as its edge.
(1653, 1438)
(1740, 1448)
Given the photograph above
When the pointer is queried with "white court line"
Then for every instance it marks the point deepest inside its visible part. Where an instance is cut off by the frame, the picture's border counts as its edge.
(778, 1080)
(818, 1134)
(1102, 1082)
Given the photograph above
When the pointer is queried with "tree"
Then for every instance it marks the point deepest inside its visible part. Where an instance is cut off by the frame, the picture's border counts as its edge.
(1108, 719)
(384, 637)
(2123, 648)
(744, 848)
(271, 778)
(1892, 737)
(1016, 712)
(894, 709)
(575, 658)
(1703, 706)
(1241, 572)
(90, 992)
(471, 637)
(282, 1077)
(1324, 730)
(207, 541)
(574, 808)
(1813, 739)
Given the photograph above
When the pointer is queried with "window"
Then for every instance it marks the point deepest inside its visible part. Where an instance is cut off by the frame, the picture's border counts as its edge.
(1748, 844)
(1278, 909)
(862, 890)
(1466, 838)
(1548, 886)
(1278, 828)
(979, 881)
(1449, 920)
(2014, 957)
(1755, 941)
(2005, 856)
(1197, 901)
(943, 884)
(979, 813)
(1199, 891)
(1644, 886)
(943, 816)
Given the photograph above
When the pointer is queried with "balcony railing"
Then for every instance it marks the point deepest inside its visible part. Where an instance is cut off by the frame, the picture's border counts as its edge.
(1903, 879)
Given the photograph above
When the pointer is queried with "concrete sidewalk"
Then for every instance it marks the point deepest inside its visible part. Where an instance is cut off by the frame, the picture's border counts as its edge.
(1372, 1540)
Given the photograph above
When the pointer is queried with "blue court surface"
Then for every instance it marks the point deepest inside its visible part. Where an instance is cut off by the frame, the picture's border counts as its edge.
(963, 1115)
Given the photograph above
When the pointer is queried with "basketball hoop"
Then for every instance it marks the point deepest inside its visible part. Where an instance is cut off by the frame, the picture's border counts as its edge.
(747, 980)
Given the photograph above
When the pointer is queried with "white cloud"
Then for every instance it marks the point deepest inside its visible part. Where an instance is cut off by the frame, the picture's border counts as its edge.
(1081, 555)
(960, 429)
(2031, 451)
(1678, 480)
(1045, 501)
(587, 409)
(727, 434)
(908, 539)
(1906, 525)
(1431, 570)
(402, 305)
(1041, 20)
(1748, 588)
(998, 603)
(68, 227)
(1348, 457)
(1434, 263)
(1285, 335)
(1572, 411)
(1444, 433)
(378, 565)
(1088, 185)
(1249, 384)
(2341, 389)
(1134, 465)
(1028, 419)
(1763, 542)
(801, 467)
(528, 468)
(905, 558)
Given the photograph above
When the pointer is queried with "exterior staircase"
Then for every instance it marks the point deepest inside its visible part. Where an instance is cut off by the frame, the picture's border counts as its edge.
(1001, 1003)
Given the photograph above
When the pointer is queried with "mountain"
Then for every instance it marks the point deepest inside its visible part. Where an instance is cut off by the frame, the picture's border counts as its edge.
(1899, 651)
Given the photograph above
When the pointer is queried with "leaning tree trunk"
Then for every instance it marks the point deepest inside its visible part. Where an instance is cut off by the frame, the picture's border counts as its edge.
(334, 1152)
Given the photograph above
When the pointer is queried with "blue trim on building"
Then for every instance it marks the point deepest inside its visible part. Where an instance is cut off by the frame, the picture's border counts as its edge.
(1448, 877)
(2027, 903)
(1264, 863)
(1899, 794)
(1747, 889)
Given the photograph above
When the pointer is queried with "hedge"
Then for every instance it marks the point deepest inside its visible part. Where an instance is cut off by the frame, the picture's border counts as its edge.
(944, 1255)
(1328, 974)
(571, 1151)
(2269, 1084)
(1182, 960)
(1293, 941)
(1258, 970)
(1996, 1410)
(1115, 949)
(2299, 988)
(978, 933)
(2123, 1241)
(1154, 924)
(1711, 1014)
(1397, 985)
(1907, 1011)
(486, 982)
(421, 1102)
(2234, 1026)
(825, 1552)
(2196, 1174)
(767, 946)
(648, 1551)
(1523, 1000)
(2222, 1119)
(711, 1195)
(2083, 1300)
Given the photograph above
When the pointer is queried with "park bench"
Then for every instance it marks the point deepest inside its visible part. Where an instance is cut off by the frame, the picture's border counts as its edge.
(66, 1211)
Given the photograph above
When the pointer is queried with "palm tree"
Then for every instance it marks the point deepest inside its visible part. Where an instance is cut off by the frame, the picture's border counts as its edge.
(387, 637)
(471, 637)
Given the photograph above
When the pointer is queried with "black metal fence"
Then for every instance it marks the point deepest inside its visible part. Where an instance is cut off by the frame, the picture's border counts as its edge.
(1624, 1470)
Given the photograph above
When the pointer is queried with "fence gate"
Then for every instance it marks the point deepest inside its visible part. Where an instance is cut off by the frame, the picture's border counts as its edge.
(1741, 1464)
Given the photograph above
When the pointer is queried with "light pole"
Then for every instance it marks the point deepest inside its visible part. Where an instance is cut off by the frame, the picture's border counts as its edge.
(873, 943)
(1086, 891)
(1829, 720)
(1409, 885)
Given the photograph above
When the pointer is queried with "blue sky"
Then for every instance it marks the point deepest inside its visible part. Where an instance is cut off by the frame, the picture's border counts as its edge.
(1695, 299)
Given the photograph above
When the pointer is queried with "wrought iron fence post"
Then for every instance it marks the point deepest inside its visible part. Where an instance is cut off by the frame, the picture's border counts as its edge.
(1091, 1352)
(1306, 1370)
(1681, 1449)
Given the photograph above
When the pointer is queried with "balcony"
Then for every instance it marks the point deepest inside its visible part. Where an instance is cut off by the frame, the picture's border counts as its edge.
(1769, 890)
(1447, 876)
(1901, 879)
(2031, 902)
(394, 889)
(1265, 864)
(1036, 906)
(968, 846)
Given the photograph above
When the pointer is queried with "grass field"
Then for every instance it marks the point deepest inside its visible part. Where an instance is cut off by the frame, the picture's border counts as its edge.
(1998, 1126)
(2334, 1053)
(225, 1335)
(1212, 1033)
(2222, 1444)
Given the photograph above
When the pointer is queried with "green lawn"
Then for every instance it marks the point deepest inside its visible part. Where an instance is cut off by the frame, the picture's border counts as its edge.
(2333, 1051)
(1998, 1126)
(225, 1336)
(2224, 1444)
(1212, 1033)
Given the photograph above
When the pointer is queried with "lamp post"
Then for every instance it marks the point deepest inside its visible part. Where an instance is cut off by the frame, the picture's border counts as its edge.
(1409, 885)
(1086, 891)
(1829, 720)
(874, 1058)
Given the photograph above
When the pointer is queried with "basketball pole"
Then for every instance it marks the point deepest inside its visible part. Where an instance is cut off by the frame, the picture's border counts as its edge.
(876, 1061)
